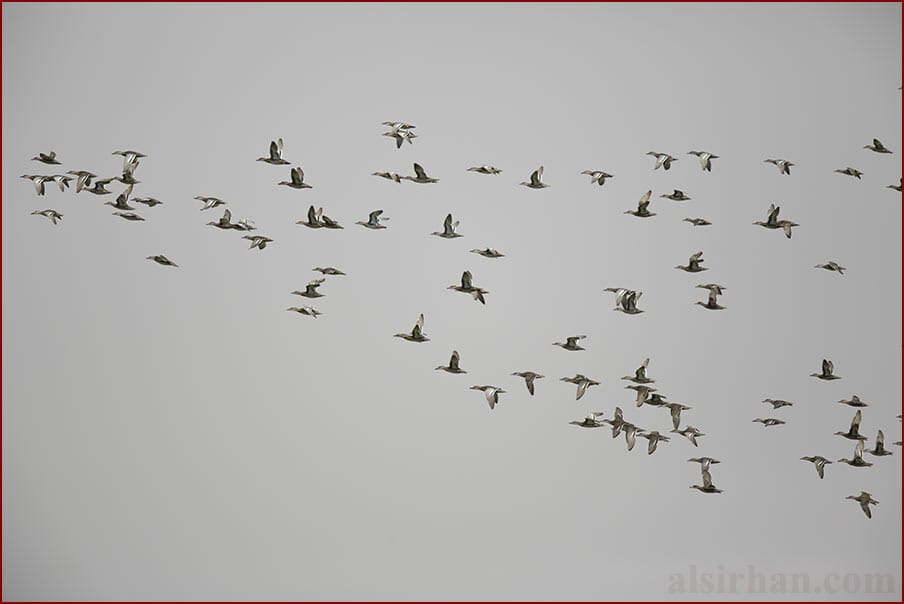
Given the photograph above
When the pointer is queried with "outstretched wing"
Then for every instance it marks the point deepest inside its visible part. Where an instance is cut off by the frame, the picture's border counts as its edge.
(419, 171)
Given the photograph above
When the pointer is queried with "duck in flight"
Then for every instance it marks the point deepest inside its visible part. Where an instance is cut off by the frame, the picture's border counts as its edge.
(83, 179)
(853, 402)
(420, 176)
(777, 403)
(529, 377)
(485, 169)
(640, 374)
(690, 433)
(819, 461)
(784, 166)
(896, 187)
(417, 332)
(388, 176)
(707, 486)
(535, 182)
(275, 158)
(628, 302)
(878, 147)
(122, 200)
(663, 160)
(492, 394)
(711, 301)
(373, 220)
(772, 221)
(677, 195)
(769, 421)
(129, 157)
(698, 221)
(832, 266)
(310, 290)
(401, 135)
(675, 410)
(47, 158)
(857, 461)
(851, 172)
(452, 367)
(130, 216)
(210, 202)
(642, 205)
(305, 310)
(853, 432)
(597, 176)
(590, 421)
(297, 179)
(328, 270)
(865, 500)
(705, 158)
(38, 181)
(704, 461)
(449, 227)
(52, 215)
(257, 241)
(654, 438)
(148, 201)
(489, 253)
(225, 221)
(162, 260)
(693, 264)
(828, 368)
(467, 287)
(879, 450)
(570, 343)
(583, 383)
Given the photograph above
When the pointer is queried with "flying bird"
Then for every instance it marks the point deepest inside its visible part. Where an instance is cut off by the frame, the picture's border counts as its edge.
(570, 343)
(389, 176)
(529, 377)
(828, 368)
(38, 181)
(819, 461)
(468, 288)
(491, 392)
(693, 264)
(583, 383)
(328, 270)
(163, 260)
(597, 176)
(52, 215)
(705, 158)
(417, 333)
(769, 421)
(832, 266)
(784, 166)
(642, 211)
(878, 147)
(305, 310)
(257, 241)
(535, 182)
(130, 216)
(640, 374)
(310, 290)
(297, 179)
(772, 222)
(853, 432)
(698, 221)
(210, 202)
(47, 158)
(854, 402)
(489, 253)
(865, 500)
(663, 160)
(275, 157)
(373, 220)
(449, 227)
(851, 172)
(452, 367)
(857, 461)
(677, 195)
(777, 403)
(484, 169)
(879, 450)
(420, 176)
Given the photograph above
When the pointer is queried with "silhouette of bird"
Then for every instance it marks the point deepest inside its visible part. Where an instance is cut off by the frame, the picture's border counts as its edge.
(896, 187)
(590, 421)
(468, 288)
(225, 222)
(489, 253)
(122, 200)
(305, 310)
(828, 367)
(275, 157)
(529, 377)
(597, 176)
(690, 433)
(535, 182)
(484, 169)
(663, 160)
(163, 260)
(297, 179)
(772, 222)
(707, 486)
(693, 264)
(832, 266)
(148, 201)
(698, 221)
(83, 179)
(851, 172)
(878, 147)
(677, 195)
(417, 333)
(705, 158)
(389, 176)
(38, 181)
(449, 227)
(853, 432)
(328, 270)
(210, 202)
(704, 462)
(491, 392)
(310, 290)
(711, 303)
(654, 438)
(46, 158)
(257, 241)
(53, 215)
(640, 374)
(676, 409)
(769, 421)
(570, 343)
(452, 367)
(373, 220)
(879, 450)
(854, 402)
(819, 461)
(583, 383)
(642, 211)
(420, 176)
(777, 403)
(865, 500)
(857, 461)
(784, 166)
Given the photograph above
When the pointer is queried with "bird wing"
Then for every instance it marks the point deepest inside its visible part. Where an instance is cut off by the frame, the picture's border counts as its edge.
(536, 175)
(880, 441)
(707, 479)
(529, 380)
(466, 280)
(582, 388)
(275, 150)
(374, 217)
(453, 362)
(419, 171)
(312, 215)
(448, 229)
(297, 176)
(420, 323)
(855, 423)
(773, 214)
(644, 200)
(676, 416)
(858, 450)
(227, 217)
(827, 367)
(864, 505)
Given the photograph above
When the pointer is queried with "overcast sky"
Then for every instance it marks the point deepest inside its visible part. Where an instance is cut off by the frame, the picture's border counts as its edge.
(175, 433)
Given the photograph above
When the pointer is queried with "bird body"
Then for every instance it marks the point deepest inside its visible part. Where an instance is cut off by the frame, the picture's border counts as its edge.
(570, 343)
(535, 182)
(529, 377)
(417, 333)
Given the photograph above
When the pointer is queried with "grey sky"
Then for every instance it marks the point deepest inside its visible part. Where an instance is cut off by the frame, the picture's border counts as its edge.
(175, 433)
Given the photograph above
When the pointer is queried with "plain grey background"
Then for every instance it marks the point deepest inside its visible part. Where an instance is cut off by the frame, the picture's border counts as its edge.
(176, 434)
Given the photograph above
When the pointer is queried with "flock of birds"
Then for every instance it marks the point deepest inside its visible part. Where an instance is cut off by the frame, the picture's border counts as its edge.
(626, 300)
